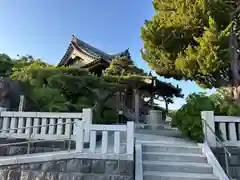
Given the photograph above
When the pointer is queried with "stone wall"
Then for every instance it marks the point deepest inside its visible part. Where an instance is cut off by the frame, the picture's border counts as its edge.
(234, 161)
(73, 169)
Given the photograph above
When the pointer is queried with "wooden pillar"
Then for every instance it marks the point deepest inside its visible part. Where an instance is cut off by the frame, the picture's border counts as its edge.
(136, 103)
(152, 100)
(133, 100)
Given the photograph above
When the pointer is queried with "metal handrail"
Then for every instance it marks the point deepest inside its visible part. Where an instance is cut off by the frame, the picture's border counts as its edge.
(29, 141)
(131, 111)
(226, 152)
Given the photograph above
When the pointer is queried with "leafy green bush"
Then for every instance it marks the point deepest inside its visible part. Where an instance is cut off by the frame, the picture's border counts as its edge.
(188, 117)
(49, 100)
(172, 114)
(110, 116)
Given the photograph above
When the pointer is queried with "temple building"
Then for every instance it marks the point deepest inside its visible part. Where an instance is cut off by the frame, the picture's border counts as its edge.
(131, 103)
(83, 55)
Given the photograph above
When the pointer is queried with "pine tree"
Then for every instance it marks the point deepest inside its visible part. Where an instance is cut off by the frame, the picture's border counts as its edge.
(123, 66)
(195, 40)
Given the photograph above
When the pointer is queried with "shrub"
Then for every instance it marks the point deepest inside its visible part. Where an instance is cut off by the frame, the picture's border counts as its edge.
(188, 117)
(172, 114)
(110, 116)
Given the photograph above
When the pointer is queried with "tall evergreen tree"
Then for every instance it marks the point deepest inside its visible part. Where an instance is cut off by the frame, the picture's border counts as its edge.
(195, 40)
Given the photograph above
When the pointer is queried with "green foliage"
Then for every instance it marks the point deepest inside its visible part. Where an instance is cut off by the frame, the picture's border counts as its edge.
(110, 116)
(52, 88)
(172, 114)
(123, 66)
(188, 40)
(9, 65)
(49, 100)
(188, 117)
(6, 65)
(75, 87)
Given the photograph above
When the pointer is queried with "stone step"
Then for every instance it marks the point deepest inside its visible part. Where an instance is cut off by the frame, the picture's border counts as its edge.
(172, 148)
(161, 132)
(174, 157)
(152, 175)
(185, 167)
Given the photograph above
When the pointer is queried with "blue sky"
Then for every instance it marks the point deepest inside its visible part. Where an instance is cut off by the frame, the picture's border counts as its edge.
(44, 28)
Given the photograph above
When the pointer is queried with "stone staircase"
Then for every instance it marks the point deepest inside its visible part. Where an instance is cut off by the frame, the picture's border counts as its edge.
(175, 162)
(168, 156)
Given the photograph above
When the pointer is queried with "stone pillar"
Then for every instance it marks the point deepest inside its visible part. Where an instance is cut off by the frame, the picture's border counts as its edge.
(21, 103)
(87, 118)
(1, 119)
(136, 104)
(209, 128)
(155, 118)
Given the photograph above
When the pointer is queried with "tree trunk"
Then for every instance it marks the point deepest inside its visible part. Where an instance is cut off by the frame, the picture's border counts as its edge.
(233, 92)
(166, 105)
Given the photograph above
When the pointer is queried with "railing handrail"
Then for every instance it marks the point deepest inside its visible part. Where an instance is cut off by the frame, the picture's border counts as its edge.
(32, 141)
(131, 111)
(218, 139)
(127, 109)
(226, 152)
(154, 125)
(29, 141)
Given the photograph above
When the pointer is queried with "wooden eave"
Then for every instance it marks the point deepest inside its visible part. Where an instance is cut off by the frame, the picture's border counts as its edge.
(81, 50)
(95, 63)
(65, 60)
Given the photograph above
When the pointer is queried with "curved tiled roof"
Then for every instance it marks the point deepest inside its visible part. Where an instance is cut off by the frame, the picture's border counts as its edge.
(88, 50)
(92, 50)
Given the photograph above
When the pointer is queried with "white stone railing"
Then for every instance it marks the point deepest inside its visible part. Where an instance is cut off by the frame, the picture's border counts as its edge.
(122, 145)
(138, 162)
(117, 141)
(226, 127)
(42, 125)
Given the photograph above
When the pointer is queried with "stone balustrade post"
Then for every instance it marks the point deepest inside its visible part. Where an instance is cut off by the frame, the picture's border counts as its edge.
(209, 128)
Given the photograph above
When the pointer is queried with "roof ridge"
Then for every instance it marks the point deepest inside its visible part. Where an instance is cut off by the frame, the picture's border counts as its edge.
(88, 46)
(93, 49)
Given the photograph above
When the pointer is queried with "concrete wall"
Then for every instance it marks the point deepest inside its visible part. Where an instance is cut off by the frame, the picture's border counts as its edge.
(73, 169)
